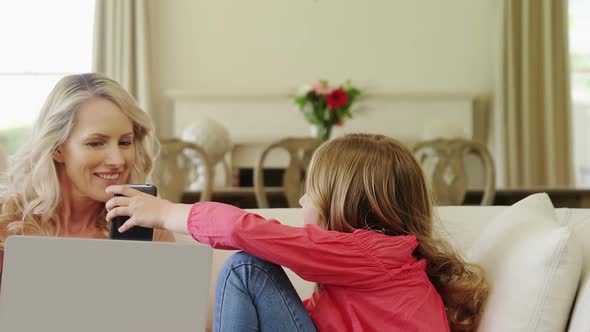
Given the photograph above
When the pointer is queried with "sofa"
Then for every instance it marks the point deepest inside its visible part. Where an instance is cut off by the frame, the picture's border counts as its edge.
(537, 259)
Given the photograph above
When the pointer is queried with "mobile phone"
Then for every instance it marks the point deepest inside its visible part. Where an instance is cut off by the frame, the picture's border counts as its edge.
(136, 233)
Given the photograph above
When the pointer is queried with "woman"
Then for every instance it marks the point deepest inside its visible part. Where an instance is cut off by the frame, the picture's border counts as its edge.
(90, 134)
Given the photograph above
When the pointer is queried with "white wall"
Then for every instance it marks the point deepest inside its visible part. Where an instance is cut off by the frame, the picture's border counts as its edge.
(273, 46)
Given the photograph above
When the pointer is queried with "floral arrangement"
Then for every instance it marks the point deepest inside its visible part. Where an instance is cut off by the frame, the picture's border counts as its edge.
(325, 106)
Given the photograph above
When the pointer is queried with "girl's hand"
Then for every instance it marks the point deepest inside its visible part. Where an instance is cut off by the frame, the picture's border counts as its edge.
(143, 209)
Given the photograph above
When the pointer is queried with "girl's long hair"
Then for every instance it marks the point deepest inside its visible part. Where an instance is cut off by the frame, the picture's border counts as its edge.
(30, 190)
(373, 182)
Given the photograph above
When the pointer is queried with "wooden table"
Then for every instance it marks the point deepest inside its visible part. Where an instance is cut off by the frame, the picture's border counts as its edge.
(244, 197)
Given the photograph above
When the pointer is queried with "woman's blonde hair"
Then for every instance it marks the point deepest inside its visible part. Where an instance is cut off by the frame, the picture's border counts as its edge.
(373, 182)
(30, 194)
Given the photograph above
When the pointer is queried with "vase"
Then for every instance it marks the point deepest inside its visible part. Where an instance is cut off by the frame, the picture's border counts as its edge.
(320, 131)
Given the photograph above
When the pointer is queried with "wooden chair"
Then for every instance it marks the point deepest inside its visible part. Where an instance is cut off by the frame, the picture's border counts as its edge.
(443, 162)
(176, 169)
(300, 152)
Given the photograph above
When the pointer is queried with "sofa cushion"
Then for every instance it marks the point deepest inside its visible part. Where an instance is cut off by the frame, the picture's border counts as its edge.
(579, 222)
(533, 265)
(462, 225)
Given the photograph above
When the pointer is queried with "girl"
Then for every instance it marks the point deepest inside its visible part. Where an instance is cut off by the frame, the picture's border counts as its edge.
(367, 242)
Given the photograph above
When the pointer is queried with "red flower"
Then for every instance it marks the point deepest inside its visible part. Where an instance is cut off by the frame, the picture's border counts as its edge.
(337, 98)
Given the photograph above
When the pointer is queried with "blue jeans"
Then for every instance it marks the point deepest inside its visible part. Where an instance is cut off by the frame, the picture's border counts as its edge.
(255, 295)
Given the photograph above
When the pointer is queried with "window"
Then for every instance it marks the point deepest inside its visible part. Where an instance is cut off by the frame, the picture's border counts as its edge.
(579, 14)
(42, 41)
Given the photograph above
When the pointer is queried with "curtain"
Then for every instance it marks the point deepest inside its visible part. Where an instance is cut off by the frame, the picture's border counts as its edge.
(121, 46)
(532, 117)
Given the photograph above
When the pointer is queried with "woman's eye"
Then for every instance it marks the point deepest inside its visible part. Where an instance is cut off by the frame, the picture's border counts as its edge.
(126, 143)
(94, 144)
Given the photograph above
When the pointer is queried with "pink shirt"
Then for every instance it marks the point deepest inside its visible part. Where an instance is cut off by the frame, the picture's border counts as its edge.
(370, 281)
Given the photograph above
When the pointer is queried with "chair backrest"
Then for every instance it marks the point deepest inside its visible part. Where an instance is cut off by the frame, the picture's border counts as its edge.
(178, 165)
(443, 162)
(300, 152)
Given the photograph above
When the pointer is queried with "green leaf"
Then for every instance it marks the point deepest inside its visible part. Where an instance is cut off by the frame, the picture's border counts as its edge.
(311, 118)
(300, 101)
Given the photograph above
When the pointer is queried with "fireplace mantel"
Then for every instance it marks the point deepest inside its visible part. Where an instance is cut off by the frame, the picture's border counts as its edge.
(255, 121)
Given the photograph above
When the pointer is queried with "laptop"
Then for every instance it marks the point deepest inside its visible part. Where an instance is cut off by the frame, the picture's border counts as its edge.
(71, 285)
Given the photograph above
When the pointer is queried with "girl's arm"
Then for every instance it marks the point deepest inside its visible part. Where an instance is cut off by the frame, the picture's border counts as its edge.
(313, 253)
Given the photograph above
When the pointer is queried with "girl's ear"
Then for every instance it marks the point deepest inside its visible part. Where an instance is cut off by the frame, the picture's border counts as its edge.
(58, 156)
